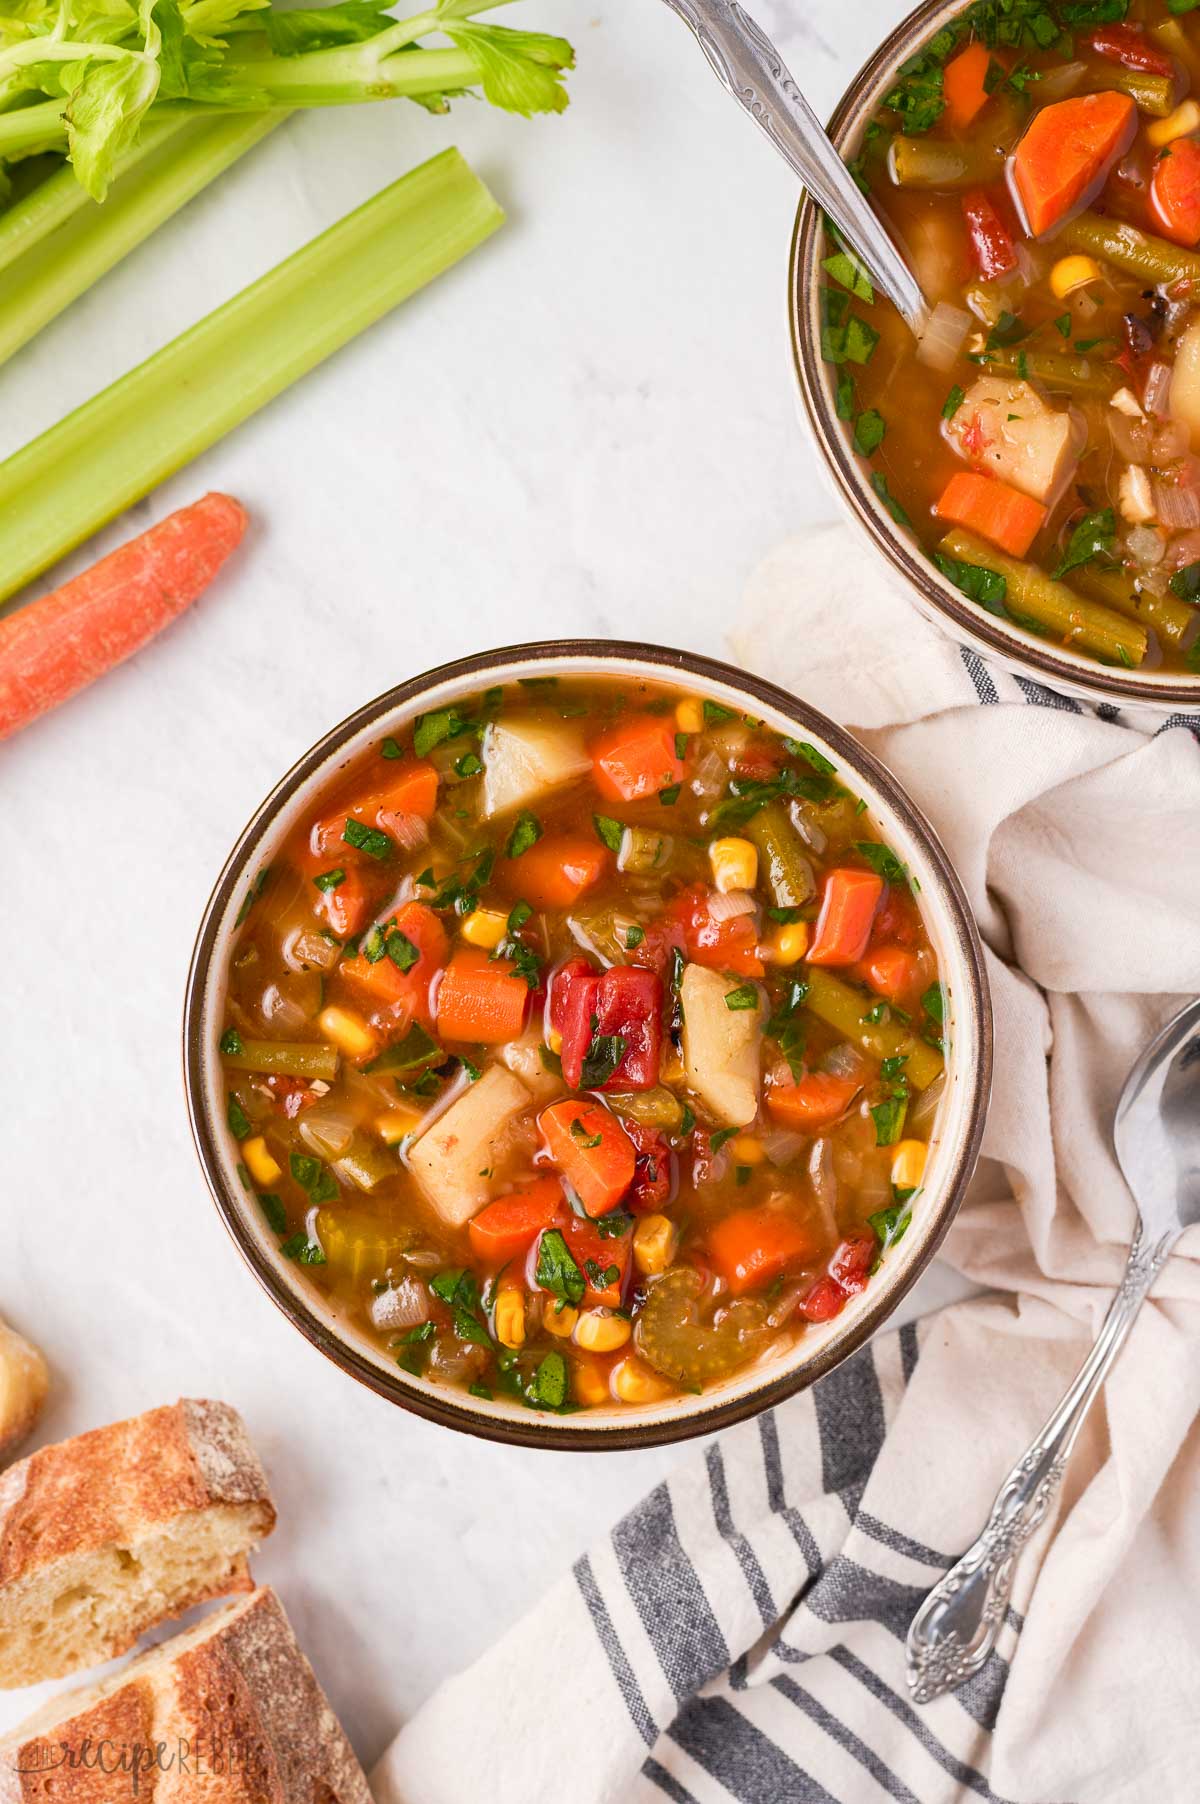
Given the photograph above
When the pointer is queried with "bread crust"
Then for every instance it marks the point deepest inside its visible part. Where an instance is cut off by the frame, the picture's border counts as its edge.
(116, 1484)
(228, 1713)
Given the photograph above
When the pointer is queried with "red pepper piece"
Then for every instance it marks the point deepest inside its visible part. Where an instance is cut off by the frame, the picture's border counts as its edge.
(851, 1264)
(626, 1001)
(1126, 45)
(992, 246)
(653, 1177)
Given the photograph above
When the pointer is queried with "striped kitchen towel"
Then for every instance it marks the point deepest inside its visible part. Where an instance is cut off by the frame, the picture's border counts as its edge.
(740, 1635)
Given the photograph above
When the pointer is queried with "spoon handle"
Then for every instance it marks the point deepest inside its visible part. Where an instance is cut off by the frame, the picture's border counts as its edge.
(955, 1629)
(748, 65)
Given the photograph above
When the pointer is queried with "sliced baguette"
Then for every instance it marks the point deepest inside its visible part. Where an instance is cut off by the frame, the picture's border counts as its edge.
(104, 1536)
(228, 1713)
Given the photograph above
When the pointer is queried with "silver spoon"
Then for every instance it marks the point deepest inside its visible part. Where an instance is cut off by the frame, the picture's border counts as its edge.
(749, 66)
(1156, 1132)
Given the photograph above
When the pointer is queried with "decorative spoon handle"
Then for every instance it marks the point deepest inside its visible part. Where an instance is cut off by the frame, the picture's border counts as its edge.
(956, 1627)
(749, 66)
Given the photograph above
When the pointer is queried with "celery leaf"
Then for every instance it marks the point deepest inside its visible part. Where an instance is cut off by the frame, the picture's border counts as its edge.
(518, 70)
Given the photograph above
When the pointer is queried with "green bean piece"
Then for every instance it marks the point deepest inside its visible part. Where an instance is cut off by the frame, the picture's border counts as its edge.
(1154, 94)
(283, 1059)
(1057, 370)
(643, 849)
(1085, 625)
(843, 1008)
(365, 1163)
(1137, 253)
(657, 1108)
(1173, 620)
(936, 163)
(786, 866)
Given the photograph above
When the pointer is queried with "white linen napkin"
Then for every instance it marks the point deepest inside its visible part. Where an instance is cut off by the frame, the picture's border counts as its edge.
(741, 1634)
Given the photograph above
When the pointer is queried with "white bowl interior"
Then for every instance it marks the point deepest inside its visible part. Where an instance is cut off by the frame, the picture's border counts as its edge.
(952, 1125)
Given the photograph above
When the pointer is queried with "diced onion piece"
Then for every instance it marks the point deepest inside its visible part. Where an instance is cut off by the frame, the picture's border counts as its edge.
(923, 1106)
(730, 905)
(1156, 396)
(1136, 496)
(1145, 546)
(306, 950)
(781, 1145)
(1177, 506)
(942, 339)
(328, 1128)
(408, 830)
(403, 1305)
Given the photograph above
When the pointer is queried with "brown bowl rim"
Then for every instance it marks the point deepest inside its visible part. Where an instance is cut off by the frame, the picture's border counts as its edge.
(1105, 686)
(542, 1431)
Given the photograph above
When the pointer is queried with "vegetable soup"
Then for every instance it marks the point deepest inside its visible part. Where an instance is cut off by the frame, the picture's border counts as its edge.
(1040, 164)
(583, 1043)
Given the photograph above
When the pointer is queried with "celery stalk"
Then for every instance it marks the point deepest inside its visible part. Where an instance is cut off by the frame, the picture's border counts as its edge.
(59, 241)
(115, 448)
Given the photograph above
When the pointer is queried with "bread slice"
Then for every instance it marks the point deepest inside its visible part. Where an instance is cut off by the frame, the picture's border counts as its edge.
(228, 1713)
(103, 1536)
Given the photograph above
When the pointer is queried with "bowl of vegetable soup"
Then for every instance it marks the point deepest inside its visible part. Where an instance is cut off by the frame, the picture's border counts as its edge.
(587, 1044)
(1031, 466)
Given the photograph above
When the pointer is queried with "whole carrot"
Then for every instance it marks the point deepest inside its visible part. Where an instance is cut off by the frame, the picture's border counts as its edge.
(55, 647)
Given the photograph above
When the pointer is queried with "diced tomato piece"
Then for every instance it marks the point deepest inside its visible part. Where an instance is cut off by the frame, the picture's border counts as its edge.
(572, 1011)
(561, 983)
(814, 1103)
(346, 909)
(653, 1175)
(1067, 150)
(1129, 46)
(507, 1228)
(964, 85)
(481, 999)
(722, 945)
(291, 1095)
(1175, 192)
(991, 242)
(825, 1300)
(752, 1246)
(591, 1149)
(893, 972)
(383, 985)
(851, 1264)
(848, 904)
(595, 1254)
(993, 509)
(759, 761)
(556, 871)
(627, 1002)
(897, 921)
(636, 759)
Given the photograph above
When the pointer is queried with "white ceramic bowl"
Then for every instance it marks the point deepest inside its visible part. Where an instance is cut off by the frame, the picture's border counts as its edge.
(958, 1126)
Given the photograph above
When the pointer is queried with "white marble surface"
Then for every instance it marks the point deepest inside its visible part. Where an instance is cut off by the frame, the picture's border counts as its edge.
(587, 428)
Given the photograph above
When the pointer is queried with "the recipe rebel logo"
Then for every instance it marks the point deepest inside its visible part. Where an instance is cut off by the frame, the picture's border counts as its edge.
(205, 1756)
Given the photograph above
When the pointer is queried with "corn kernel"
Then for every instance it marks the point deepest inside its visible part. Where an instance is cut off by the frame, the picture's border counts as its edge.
(1179, 124)
(554, 1040)
(1070, 273)
(634, 1382)
(670, 1069)
(348, 1031)
(559, 1321)
(734, 864)
(589, 1383)
(908, 1164)
(601, 1331)
(746, 1150)
(484, 927)
(510, 1317)
(653, 1244)
(395, 1125)
(689, 716)
(259, 1163)
(787, 945)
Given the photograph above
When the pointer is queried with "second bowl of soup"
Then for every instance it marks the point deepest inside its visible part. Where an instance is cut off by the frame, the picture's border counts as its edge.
(1031, 464)
(587, 1046)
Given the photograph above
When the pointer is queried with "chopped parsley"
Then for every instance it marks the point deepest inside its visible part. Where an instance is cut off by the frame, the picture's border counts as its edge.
(604, 1054)
(367, 839)
(977, 582)
(252, 894)
(882, 860)
(526, 832)
(330, 879)
(312, 1177)
(548, 1387)
(879, 483)
(557, 1271)
(230, 1042)
(236, 1116)
(633, 936)
(1186, 582)
(845, 268)
(869, 430)
(608, 831)
(800, 748)
(744, 997)
(613, 1225)
(1094, 538)
(443, 723)
(460, 1290)
(416, 1048)
(303, 1250)
(273, 1210)
(391, 748)
(669, 796)
(468, 765)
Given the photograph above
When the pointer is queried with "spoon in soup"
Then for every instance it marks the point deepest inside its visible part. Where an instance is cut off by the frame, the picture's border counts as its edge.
(748, 65)
(1156, 1132)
